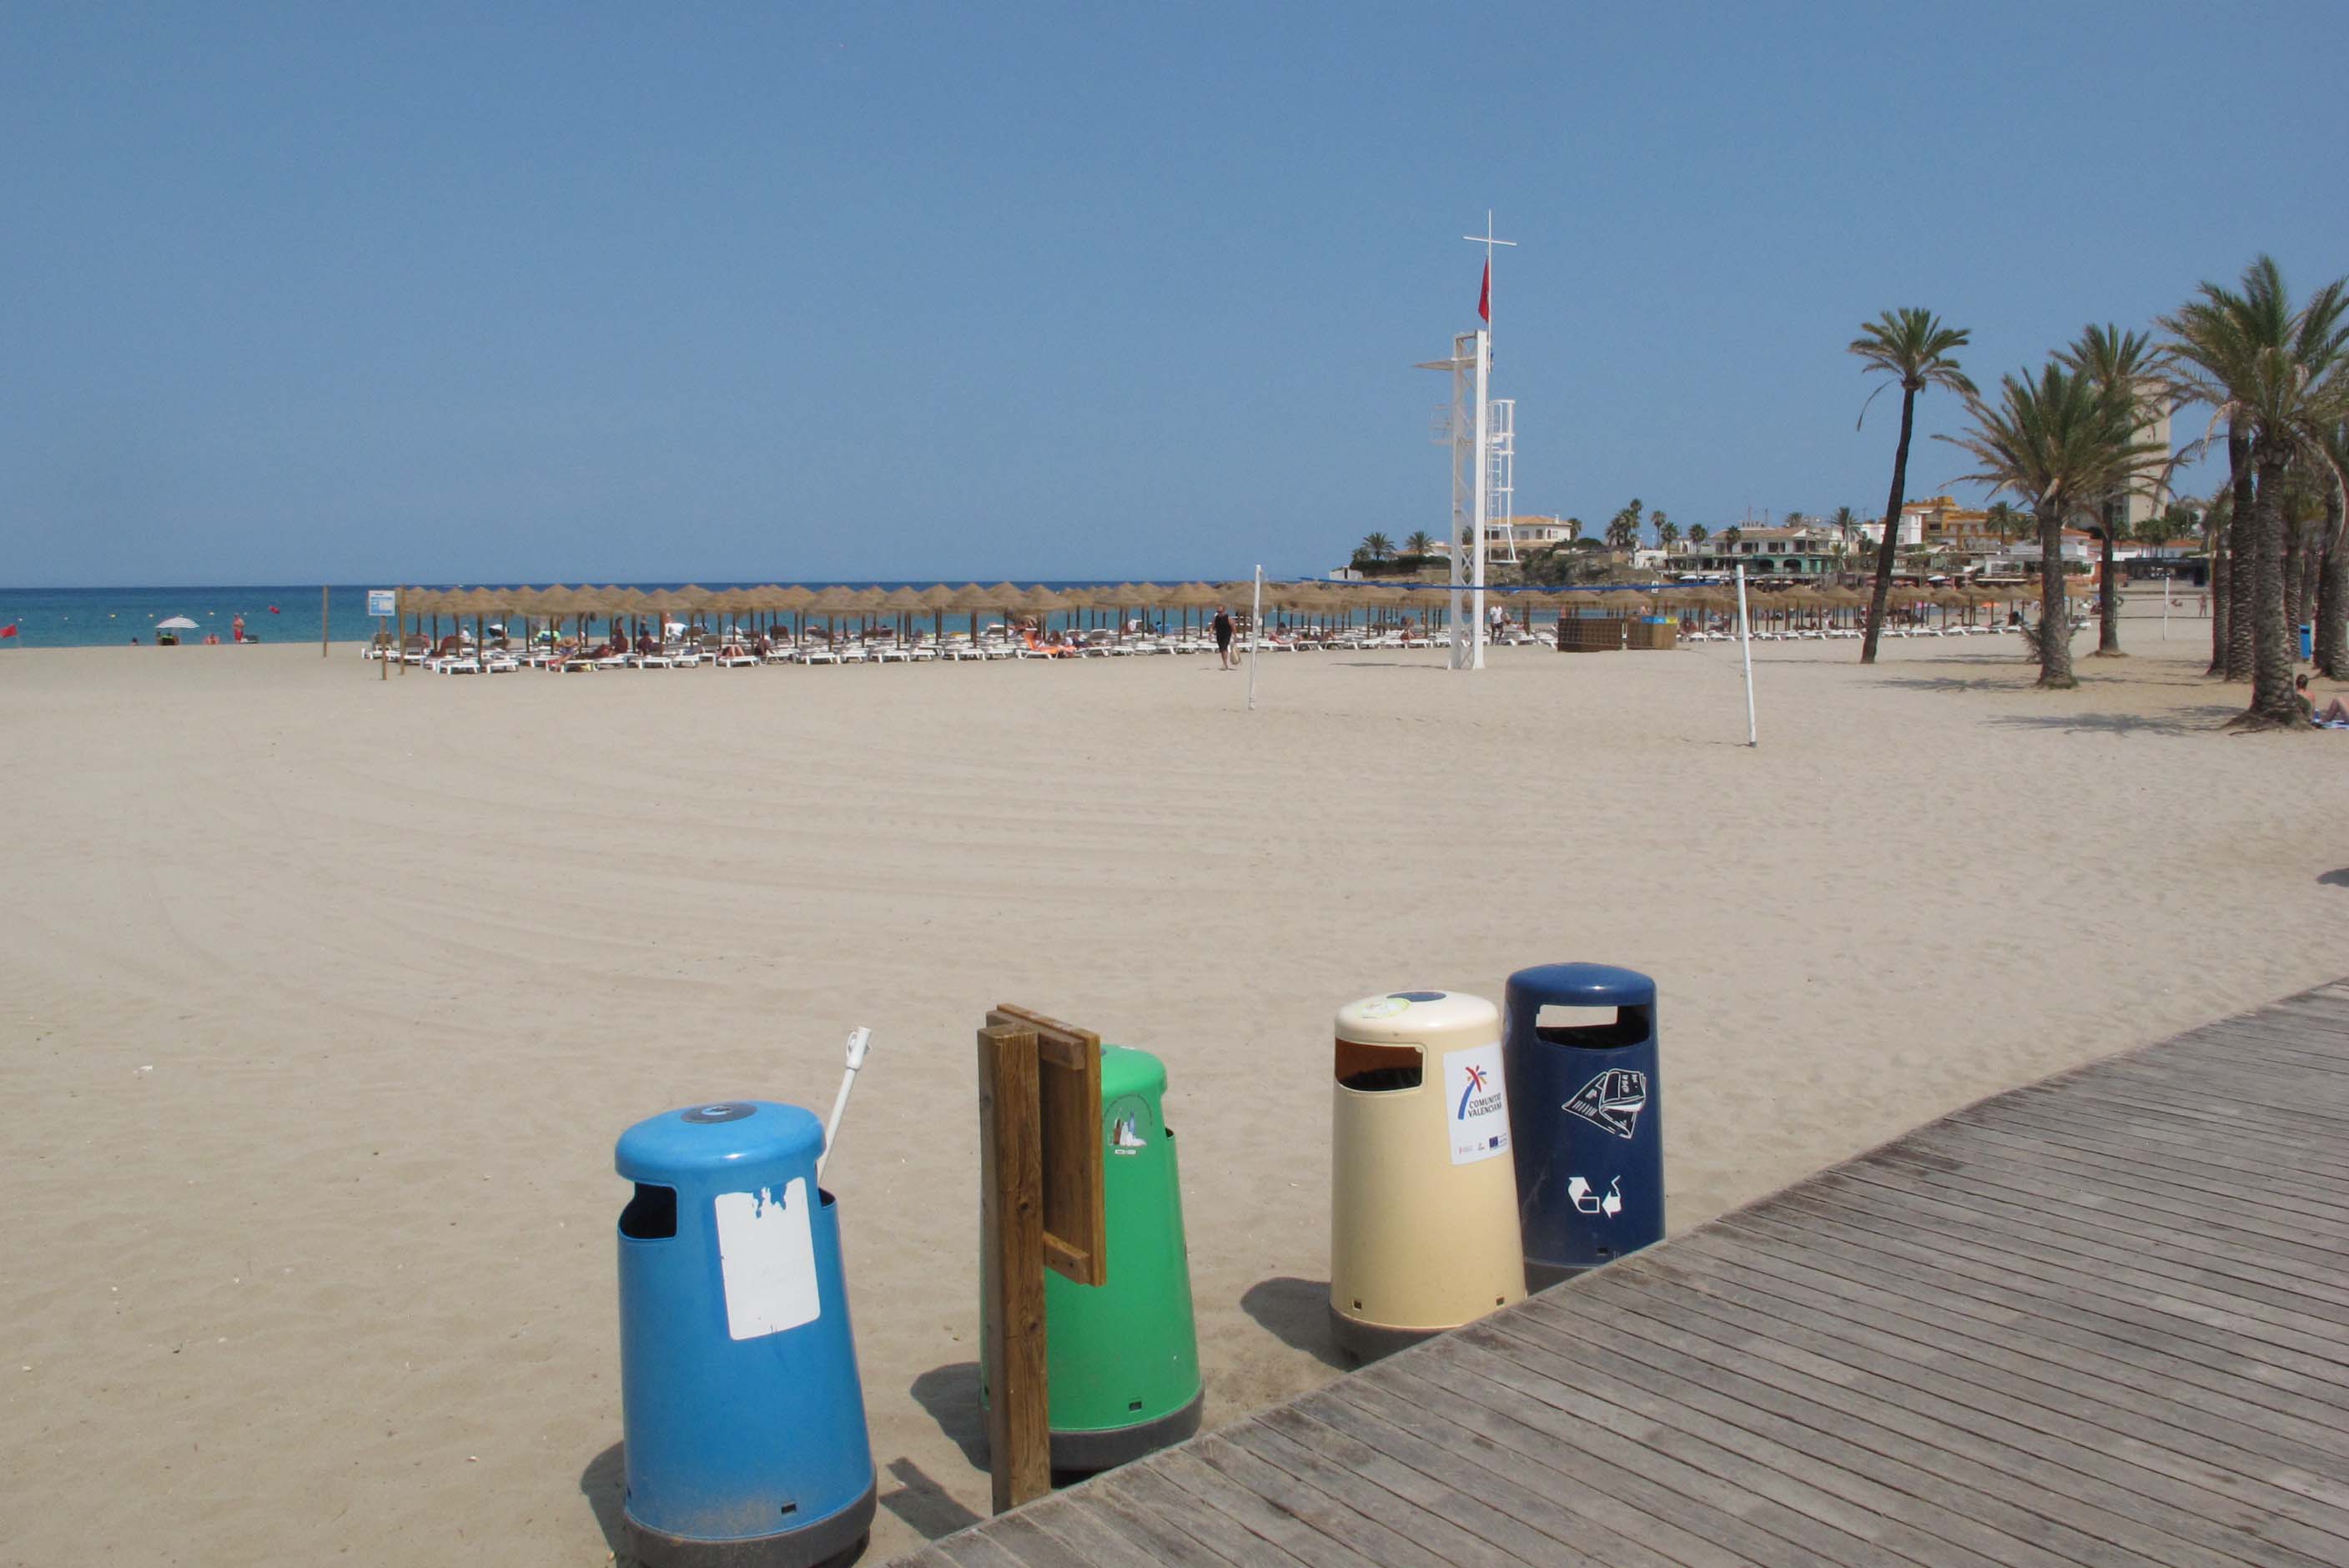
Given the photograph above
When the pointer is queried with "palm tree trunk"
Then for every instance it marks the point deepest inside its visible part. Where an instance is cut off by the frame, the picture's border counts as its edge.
(2055, 605)
(2332, 582)
(2273, 698)
(2221, 607)
(2108, 599)
(2243, 558)
(1891, 547)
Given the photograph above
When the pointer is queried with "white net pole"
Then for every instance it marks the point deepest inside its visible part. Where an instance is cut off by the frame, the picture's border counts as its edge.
(1745, 644)
(1256, 635)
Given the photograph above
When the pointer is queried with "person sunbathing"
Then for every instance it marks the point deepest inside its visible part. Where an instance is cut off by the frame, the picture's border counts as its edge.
(2334, 714)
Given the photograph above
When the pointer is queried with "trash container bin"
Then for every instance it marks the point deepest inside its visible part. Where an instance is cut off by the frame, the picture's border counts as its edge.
(1122, 1358)
(2307, 642)
(744, 1418)
(1584, 1119)
(1424, 1200)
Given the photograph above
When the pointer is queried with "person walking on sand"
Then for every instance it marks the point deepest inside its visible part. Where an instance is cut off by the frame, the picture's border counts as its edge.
(1222, 627)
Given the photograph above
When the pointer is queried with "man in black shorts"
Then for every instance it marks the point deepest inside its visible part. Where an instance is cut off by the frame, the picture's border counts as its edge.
(1222, 627)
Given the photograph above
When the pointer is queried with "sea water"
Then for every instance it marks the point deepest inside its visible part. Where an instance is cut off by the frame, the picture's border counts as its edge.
(95, 617)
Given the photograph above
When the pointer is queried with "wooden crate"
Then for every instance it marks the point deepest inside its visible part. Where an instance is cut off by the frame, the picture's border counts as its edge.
(1589, 634)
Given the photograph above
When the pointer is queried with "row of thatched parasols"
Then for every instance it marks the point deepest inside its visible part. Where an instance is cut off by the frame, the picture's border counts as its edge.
(1324, 603)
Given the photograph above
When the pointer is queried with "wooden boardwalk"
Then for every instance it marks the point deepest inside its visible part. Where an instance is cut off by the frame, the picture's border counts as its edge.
(2102, 1320)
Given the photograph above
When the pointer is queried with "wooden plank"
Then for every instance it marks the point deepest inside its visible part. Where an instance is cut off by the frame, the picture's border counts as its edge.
(1085, 1529)
(2154, 1405)
(2065, 1244)
(1924, 1287)
(1259, 1515)
(1153, 1493)
(1468, 1460)
(1806, 1477)
(1811, 1411)
(1482, 1502)
(1645, 1505)
(2053, 1476)
(1910, 1495)
(2216, 1512)
(1011, 1239)
(2086, 1436)
(1075, 1204)
(1384, 1496)
(2145, 1301)
(1331, 1516)
(1778, 1534)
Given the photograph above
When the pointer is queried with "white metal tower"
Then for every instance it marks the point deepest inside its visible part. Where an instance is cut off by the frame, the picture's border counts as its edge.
(1482, 435)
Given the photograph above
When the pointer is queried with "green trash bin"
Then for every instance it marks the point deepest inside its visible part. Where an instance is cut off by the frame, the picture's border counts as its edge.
(1123, 1356)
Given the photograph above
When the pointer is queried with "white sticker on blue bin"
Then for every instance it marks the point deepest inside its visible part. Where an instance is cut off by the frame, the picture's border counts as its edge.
(1476, 1103)
(766, 1254)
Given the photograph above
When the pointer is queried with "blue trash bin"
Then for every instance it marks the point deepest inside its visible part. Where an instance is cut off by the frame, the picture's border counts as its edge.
(1584, 1119)
(2307, 642)
(744, 1417)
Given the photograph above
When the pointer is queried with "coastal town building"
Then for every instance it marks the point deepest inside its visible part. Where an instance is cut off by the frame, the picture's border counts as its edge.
(1803, 551)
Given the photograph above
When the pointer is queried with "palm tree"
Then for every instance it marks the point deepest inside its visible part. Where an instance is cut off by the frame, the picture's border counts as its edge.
(2129, 363)
(2279, 377)
(1846, 522)
(1668, 532)
(1731, 535)
(2004, 521)
(2332, 649)
(1623, 527)
(1912, 347)
(1376, 547)
(1699, 533)
(1796, 519)
(2065, 439)
(1420, 544)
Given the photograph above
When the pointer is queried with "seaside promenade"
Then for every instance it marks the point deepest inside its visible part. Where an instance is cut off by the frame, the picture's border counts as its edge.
(2101, 1319)
(326, 996)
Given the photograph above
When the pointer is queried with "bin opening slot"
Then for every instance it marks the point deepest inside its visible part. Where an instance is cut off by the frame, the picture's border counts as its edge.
(1374, 1068)
(651, 1214)
(1593, 1029)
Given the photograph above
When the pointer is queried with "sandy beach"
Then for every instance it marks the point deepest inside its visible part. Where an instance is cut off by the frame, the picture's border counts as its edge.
(325, 998)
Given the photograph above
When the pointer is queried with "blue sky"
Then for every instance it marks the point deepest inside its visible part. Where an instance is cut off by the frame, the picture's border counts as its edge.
(614, 292)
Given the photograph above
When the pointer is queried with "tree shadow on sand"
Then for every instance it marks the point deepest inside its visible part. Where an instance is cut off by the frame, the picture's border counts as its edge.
(1297, 1313)
(2209, 720)
(2018, 680)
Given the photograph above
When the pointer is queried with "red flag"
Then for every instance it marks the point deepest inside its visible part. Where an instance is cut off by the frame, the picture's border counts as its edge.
(1484, 296)
(9, 630)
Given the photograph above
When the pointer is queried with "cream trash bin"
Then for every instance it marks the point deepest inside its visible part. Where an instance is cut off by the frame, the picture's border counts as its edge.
(1422, 1190)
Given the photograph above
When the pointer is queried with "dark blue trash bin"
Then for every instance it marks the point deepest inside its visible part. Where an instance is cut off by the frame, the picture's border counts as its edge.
(2307, 642)
(1583, 1120)
(745, 1445)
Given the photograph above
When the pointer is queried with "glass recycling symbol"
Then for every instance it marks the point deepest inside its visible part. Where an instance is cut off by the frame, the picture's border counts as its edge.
(1612, 1100)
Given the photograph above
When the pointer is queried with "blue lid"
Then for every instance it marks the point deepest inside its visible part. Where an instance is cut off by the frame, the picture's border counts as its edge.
(1581, 985)
(714, 1135)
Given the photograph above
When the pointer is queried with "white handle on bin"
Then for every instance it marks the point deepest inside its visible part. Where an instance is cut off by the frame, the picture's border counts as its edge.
(857, 1040)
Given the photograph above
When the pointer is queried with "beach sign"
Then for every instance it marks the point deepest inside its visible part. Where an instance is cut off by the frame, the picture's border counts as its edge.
(379, 600)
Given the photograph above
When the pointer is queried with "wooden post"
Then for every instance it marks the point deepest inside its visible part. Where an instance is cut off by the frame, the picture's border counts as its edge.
(1012, 1236)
